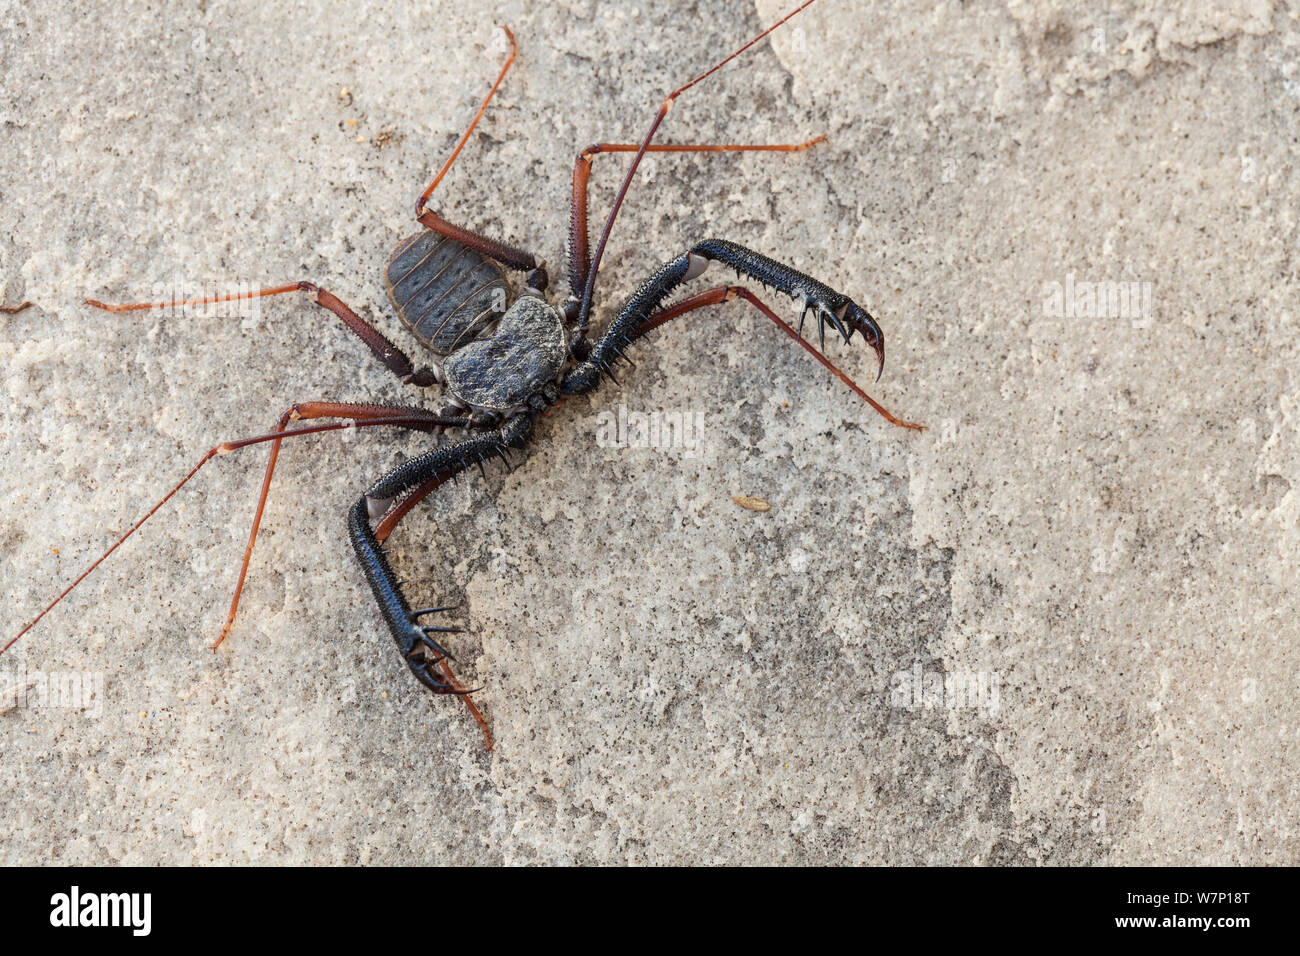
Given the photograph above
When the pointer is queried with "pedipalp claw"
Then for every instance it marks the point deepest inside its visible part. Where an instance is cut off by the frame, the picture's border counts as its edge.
(859, 319)
(421, 672)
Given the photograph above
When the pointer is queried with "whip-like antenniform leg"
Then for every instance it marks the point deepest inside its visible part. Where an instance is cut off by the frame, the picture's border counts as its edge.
(584, 307)
(579, 255)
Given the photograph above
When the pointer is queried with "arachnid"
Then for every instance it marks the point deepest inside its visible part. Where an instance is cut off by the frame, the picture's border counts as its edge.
(499, 363)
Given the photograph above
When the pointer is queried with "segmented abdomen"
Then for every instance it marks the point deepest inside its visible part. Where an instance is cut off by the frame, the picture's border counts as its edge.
(444, 292)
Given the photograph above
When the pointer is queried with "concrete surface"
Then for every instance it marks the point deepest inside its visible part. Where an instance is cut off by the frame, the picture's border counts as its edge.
(1095, 542)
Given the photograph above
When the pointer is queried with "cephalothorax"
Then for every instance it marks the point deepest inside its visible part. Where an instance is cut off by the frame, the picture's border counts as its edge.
(500, 364)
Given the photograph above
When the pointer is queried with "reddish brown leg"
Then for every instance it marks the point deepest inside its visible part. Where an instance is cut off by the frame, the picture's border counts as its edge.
(415, 420)
(503, 253)
(730, 293)
(505, 68)
(584, 308)
(579, 257)
(306, 411)
(397, 361)
(390, 520)
(464, 695)
(11, 309)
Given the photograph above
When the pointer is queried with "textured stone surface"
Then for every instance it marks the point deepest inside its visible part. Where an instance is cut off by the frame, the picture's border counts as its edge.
(1100, 524)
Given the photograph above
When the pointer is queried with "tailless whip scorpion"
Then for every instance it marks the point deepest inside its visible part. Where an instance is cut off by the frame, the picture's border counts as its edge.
(500, 364)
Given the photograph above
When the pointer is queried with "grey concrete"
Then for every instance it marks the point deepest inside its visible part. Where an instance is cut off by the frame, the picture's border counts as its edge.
(1098, 532)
